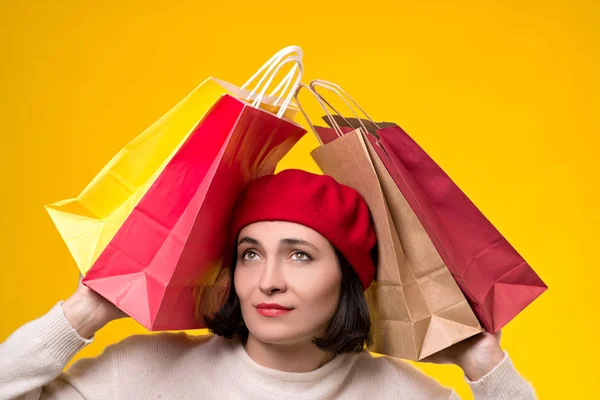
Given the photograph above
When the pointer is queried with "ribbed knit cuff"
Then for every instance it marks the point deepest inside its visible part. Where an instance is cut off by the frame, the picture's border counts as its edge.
(502, 382)
(57, 335)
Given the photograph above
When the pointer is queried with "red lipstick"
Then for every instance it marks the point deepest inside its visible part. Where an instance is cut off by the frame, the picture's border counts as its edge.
(272, 309)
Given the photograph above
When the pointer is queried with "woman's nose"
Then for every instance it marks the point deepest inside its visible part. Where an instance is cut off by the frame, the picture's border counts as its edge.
(272, 279)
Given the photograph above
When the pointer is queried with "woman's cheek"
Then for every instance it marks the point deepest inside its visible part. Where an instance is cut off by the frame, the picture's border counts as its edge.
(241, 280)
(318, 294)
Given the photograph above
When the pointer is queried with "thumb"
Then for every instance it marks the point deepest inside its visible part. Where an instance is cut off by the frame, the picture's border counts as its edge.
(498, 335)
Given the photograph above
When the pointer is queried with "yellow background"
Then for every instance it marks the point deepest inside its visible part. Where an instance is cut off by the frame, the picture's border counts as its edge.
(502, 94)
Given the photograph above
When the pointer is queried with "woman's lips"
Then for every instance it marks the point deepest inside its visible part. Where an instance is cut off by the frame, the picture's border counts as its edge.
(272, 309)
(271, 312)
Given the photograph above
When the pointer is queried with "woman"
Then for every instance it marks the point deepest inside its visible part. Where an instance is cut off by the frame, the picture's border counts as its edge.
(294, 324)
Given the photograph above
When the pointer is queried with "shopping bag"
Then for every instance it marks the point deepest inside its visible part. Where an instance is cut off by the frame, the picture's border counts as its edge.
(493, 276)
(88, 223)
(175, 237)
(416, 307)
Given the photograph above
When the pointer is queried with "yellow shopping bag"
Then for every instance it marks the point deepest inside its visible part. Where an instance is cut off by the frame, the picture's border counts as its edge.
(89, 222)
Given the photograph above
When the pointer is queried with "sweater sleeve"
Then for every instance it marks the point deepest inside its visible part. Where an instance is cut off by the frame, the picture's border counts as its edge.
(502, 382)
(33, 357)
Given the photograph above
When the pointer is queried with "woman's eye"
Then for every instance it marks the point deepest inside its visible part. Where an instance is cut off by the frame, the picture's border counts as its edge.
(250, 255)
(300, 256)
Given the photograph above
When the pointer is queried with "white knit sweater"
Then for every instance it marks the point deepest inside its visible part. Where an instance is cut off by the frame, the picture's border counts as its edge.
(178, 366)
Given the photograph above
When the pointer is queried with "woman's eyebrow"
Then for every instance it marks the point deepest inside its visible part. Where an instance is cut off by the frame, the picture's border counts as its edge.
(295, 242)
(249, 240)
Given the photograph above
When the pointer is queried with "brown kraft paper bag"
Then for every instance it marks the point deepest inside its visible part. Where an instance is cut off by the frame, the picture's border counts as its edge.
(416, 306)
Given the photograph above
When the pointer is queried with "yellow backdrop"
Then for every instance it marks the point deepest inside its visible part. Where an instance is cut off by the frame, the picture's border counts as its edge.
(502, 94)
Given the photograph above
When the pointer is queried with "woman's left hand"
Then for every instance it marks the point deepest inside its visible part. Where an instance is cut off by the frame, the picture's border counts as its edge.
(476, 355)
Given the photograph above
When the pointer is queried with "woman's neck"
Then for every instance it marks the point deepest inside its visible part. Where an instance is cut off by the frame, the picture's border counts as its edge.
(304, 357)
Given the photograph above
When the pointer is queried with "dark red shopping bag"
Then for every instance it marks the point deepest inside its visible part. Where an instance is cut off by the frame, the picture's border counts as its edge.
(495, 279)
(176, 235)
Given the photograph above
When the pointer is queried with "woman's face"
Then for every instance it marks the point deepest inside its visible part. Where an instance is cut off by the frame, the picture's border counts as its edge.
(286, 265)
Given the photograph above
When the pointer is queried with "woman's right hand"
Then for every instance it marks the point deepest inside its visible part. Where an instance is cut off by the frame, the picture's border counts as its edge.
(88, 312)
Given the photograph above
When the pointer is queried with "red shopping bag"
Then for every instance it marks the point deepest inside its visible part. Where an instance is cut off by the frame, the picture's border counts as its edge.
(176, 235)
(494, 277)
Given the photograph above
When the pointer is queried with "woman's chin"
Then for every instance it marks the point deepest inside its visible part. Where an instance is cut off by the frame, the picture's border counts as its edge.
(278, 336)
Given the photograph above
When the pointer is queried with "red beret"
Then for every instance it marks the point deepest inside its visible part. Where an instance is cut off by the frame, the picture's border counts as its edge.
(336, 211)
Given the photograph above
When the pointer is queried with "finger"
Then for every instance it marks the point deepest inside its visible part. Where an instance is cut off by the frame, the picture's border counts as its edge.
(498, 335)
